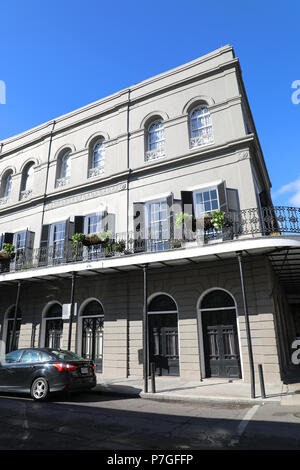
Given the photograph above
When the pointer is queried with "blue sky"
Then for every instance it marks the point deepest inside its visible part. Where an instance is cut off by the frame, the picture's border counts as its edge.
(58, 55)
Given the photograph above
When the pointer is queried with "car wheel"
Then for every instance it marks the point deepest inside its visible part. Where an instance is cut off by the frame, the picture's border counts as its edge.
(40, 389)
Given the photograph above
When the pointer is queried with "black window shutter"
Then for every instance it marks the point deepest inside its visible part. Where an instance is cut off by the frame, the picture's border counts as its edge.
(170, 200)
(139, 226)
(79, 224)
(222, 197)
(43, 258)
(233, 216)
(188, 208)
(8, 238)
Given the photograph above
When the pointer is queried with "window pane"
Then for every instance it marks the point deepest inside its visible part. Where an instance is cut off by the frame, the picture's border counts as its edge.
(13, 356)
(31, 356)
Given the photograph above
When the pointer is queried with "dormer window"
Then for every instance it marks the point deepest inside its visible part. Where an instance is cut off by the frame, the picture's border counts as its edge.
(155, 141)
(201, 132)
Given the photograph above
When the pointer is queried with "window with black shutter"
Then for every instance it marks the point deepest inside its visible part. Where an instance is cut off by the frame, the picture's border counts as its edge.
(139, 226)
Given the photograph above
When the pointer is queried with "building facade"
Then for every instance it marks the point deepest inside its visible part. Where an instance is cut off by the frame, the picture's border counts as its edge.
(146, 169)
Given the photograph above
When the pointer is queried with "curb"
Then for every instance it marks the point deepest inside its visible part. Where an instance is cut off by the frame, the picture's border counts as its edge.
(193, 399)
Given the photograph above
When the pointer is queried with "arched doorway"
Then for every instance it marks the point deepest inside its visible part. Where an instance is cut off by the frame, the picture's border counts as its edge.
(163, 335)
(220, 335)
(11, 345)
(92, 318)
(53, 326)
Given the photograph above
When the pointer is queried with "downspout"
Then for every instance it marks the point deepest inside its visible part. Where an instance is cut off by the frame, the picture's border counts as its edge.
(47, 173)
(247, 323)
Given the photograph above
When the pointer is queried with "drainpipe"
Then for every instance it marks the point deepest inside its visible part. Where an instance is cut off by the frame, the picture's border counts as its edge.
(16, 315)
(248, 332)
(145, 329)
(72, 310)
(47, 172)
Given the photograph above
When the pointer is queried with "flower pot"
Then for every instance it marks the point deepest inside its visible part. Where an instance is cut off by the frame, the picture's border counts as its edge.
(207, 223)
(6, 256)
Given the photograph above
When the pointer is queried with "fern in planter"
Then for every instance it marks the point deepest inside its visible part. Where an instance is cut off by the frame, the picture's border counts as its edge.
(8, 251)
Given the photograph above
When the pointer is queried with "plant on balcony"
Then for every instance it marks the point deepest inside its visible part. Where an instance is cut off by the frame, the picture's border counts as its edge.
(77, 238)
(101, 238)
(119, 247)
(218, 219)
(176, 243)
(8, 252)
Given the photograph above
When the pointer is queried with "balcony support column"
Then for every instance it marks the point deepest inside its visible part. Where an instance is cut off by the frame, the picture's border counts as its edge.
(248, 331)
(72, 310)
(13, 339)
(145, 328)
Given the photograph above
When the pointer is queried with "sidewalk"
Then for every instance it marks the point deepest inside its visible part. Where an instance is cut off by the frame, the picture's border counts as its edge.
(175, 389)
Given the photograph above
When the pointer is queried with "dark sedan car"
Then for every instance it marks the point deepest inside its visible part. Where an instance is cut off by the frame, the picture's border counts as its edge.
(45, 370)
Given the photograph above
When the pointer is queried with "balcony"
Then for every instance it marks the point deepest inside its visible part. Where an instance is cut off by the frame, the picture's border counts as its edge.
(246, 224)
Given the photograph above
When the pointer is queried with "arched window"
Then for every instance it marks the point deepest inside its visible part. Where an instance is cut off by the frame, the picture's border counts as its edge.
(162, 303)
(6, 187)
(155, 141)
(201, 132)
(27, 181)
(97, 160)
(65, 170)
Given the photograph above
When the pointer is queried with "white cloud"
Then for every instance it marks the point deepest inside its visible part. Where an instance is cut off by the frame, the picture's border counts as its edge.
(293, 187)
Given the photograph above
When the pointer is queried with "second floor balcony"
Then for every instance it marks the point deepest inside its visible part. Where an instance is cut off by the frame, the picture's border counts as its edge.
(241, 225)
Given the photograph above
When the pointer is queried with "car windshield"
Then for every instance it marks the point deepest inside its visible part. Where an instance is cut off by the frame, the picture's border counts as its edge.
(66, 355)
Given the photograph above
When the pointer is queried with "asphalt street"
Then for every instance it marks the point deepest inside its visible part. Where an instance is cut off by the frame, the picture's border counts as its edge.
(94, 421)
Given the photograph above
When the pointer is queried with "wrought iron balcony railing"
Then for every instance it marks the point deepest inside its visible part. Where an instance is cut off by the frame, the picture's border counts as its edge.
(265, 222)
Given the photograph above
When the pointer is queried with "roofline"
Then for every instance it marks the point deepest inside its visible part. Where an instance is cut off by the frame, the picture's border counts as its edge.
(124, 91)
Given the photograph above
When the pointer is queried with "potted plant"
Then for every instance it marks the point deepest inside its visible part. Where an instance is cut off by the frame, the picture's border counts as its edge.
(217, 219)
(176, 243)
(101, 238)
(76, 239)
(119, 247)
(7, 252)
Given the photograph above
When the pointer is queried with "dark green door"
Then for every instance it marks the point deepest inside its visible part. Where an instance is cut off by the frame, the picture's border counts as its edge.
(221, 348)
(163, 343)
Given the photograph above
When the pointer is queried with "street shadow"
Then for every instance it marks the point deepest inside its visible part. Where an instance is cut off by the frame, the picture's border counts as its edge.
(67, 426)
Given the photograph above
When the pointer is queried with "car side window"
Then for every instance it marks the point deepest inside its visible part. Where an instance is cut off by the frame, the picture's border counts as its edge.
(31, 356)
(12, 357)
(45, 357)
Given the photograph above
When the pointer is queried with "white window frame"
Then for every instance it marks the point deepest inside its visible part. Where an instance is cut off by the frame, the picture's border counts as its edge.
(155, 148)
(200, 191)
(200, 140)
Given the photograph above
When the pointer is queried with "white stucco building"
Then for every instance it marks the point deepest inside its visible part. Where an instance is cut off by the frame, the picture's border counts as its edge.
(129, 164)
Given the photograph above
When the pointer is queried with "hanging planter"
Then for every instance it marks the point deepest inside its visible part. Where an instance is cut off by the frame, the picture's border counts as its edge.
(101, 238)
(7, 253)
